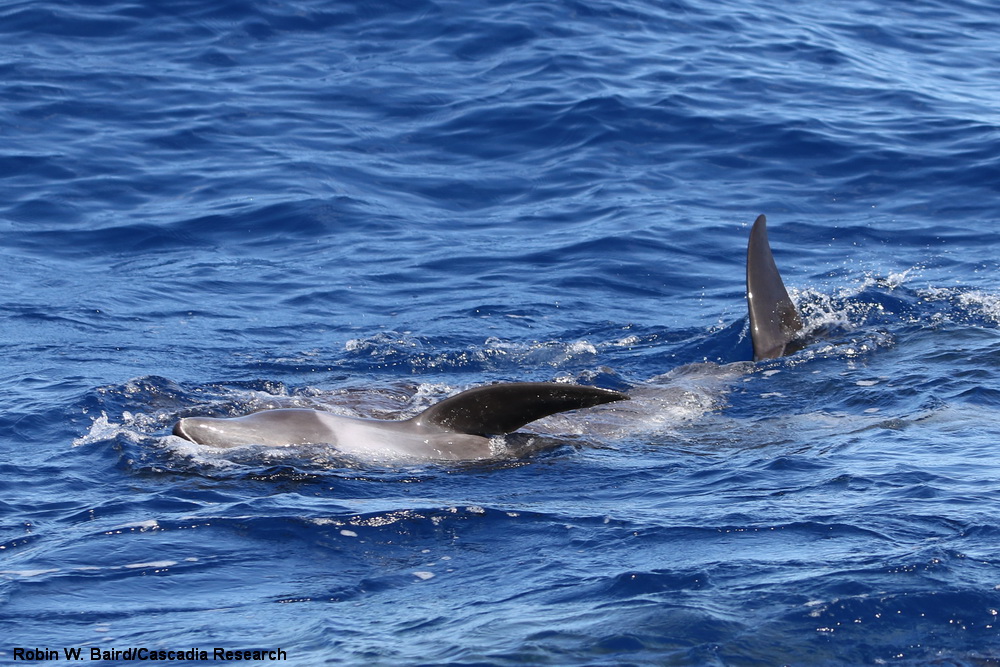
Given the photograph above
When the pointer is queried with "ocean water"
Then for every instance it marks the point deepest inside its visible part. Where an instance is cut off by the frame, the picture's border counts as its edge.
(215, 208)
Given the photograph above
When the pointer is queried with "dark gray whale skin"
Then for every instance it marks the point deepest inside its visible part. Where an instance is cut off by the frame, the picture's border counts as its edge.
(774, 322)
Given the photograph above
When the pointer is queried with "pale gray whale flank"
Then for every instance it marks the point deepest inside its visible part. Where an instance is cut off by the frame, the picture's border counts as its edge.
(457, 428)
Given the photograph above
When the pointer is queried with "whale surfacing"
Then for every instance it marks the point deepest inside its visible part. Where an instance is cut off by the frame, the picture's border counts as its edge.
(458, 428)
(455, 429)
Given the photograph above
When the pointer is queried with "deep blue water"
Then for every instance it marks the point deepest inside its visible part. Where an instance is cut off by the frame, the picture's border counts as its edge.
(220, 207)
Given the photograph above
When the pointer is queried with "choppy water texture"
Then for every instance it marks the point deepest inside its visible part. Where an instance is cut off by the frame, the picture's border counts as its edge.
(212, 208)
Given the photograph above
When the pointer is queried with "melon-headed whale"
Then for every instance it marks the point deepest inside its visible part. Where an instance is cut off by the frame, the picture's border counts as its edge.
(459, 427)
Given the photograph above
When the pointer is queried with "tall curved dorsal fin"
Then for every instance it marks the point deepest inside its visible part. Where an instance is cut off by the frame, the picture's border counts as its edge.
(503, 408)
(773, 318)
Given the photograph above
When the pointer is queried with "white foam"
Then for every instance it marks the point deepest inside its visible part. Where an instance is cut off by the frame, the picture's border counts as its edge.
(100, 429)
(983, 303)
(627, 341)
(27, 574)
(158, 564)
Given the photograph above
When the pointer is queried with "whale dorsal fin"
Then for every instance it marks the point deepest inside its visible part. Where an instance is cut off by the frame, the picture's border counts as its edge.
(503, 408)
(773, 318)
